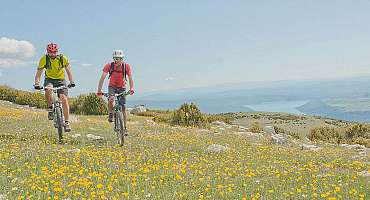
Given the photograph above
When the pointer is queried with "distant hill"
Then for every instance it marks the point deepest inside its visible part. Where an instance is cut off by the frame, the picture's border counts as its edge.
(233, 97)
(320, 108)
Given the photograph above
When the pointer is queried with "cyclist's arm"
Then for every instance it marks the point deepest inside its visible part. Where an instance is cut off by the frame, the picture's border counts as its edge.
(131, 82)
(69, 73)
(38, 75)
(101, 81)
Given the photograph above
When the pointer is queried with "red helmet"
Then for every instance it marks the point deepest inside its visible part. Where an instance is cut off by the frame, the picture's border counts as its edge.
(52, 48)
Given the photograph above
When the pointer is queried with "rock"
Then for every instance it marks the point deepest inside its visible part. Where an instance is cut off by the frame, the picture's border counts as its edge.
(310, 147)
(128, 111)
(269, 129)
(3, 197)
(76, 135)
(250, 134)
(133, 122)
(242, 129)
(218, 123)
(279, 139)
(216, 148)
(138, 109)
(356, 147)
(94, 137)
(151, 122)
(365, 173)
(73, 118)
(203, 130)
(72, 150)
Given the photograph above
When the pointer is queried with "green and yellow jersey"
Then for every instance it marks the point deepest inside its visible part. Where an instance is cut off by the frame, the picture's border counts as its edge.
(55, 70)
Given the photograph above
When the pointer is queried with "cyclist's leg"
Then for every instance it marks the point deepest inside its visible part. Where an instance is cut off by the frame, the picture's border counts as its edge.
(49, 96)
(63, 96)
(48, 92)
(65, 104)
(111, 91)
(122, 102)
(124, 116)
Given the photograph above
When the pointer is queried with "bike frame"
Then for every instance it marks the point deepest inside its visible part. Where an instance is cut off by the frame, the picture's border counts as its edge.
(57, 104)
(119, 122)
(58, 118)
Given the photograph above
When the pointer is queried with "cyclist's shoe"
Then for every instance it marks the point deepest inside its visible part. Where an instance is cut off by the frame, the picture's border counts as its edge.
(67, 127)
(50, 114)
(110, 117)
(125, 132)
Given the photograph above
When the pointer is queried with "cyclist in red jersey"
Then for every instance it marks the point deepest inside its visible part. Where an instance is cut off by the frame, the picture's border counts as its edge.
(117, 70)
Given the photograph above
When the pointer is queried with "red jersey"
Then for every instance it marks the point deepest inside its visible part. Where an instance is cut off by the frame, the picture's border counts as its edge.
(116, 79)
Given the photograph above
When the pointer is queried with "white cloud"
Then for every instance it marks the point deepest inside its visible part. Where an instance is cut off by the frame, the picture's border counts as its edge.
(14, 52)
(85, 64)
(169, 78)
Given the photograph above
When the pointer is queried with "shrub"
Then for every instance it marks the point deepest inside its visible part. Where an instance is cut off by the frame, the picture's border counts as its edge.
(153, 113)
(8, 94)
(165, 118)
(256, 127)
(327, 134)
(358, 130)
(362, 141)
(32, 99)
(76, 104)
(92, 104)
(280, 130)
(219, 117)
(189, 115)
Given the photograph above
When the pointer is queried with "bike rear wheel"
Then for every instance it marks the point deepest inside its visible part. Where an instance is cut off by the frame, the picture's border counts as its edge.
(59, 122)
(119, 128)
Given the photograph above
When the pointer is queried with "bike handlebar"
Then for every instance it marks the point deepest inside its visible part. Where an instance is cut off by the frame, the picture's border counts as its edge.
(53, 88)
(116, 95)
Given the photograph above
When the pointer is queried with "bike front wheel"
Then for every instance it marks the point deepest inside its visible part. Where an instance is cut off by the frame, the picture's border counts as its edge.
(119, 128)
(59, 123)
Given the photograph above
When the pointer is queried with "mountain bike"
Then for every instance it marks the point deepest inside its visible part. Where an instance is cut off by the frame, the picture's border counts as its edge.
(118, 117)
(58, 119)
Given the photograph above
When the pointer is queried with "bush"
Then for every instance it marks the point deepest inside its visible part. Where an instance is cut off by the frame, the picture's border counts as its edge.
(92, 104)
(153, 113)
(280, 130)
(165, 118)
(327, 134)
(358, 130)
(32, 99)
(357, 134)
(219, 117)
(76, 104)
(8, 94)
(256, 127)
(189, 115)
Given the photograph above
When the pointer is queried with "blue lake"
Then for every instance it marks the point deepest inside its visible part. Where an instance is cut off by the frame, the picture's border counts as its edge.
(278, 106)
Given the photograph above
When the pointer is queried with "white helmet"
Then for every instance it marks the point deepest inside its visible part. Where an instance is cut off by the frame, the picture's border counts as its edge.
(118, 54)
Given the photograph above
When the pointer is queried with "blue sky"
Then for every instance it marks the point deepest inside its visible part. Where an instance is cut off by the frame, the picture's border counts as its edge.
(181, 44)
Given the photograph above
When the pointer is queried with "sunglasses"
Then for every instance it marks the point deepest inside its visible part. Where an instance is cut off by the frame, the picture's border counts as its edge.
(117, 59)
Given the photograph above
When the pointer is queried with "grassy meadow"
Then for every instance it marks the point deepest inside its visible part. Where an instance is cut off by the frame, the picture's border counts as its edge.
(163, 162)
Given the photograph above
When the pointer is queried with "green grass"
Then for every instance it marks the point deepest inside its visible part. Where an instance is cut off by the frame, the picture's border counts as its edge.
(163, 162)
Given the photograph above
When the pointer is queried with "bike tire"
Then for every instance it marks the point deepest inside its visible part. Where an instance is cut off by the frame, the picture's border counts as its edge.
(59, 121)
(119, 128)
